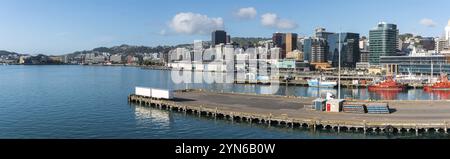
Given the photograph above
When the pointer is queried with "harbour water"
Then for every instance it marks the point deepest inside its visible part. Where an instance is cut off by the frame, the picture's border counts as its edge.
(91, 102)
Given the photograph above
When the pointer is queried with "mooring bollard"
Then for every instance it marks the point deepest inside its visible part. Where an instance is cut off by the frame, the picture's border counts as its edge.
(445, 127)
(365, 126)
(417, 130)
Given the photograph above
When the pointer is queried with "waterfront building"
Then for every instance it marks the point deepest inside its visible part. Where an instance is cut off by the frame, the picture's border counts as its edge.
(218, 37)
(349, 44)
(117, 59)
(421, 65)
(383, 42)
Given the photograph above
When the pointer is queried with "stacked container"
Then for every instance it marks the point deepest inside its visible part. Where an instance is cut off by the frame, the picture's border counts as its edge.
(154, 93)
(378, 108)
(358, 108)
(141, 91)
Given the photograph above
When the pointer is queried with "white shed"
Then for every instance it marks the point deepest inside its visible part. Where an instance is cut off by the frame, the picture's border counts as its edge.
(334, 105)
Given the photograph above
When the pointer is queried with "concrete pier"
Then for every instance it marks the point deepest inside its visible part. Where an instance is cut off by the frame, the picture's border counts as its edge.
(292, 112)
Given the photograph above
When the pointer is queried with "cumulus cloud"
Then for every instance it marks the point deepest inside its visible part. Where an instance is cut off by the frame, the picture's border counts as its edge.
(428, 22)
(194, 23)
(272, 20)
(246, 13)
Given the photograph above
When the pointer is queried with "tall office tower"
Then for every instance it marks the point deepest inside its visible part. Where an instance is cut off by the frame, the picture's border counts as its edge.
(315, 50)
(350, 53)
(383, 42)
(279, 39)
(286, 41)
(218, 37)
(291, 43)
(363, 44)
(307, 43)
(321, 33)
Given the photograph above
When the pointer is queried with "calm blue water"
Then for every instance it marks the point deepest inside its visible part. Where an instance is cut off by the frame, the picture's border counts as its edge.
(91, 102)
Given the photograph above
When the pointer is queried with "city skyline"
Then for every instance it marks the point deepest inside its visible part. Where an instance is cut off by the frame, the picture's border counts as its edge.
(60, 27)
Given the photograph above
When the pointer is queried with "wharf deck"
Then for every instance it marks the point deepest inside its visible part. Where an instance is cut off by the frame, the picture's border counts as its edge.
(418, 116)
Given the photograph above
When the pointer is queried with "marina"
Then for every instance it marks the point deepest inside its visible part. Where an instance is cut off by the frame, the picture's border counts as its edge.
(407, 116)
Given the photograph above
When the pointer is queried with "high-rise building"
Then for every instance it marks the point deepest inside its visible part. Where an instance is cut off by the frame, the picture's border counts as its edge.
(382, 41)
(441, 45)
(350, 53)
(363, 44)
(364, 57)
(322, 33)
(291, 43)
(315, 50)
(218, 37)
(286, 41)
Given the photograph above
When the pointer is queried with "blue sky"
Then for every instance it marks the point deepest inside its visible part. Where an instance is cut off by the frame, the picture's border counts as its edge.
(65, 26)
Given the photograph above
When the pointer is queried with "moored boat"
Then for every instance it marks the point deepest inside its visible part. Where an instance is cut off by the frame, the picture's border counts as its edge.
(442, 84)
(389, 85)
(322, 83)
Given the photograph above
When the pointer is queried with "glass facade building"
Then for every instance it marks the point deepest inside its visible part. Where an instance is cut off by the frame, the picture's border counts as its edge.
(383, 42)
(418, 64)
(315, 50)
(350, 53)
(218, 37)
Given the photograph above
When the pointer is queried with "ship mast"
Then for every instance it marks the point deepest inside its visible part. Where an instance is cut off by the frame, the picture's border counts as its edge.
(339, 69)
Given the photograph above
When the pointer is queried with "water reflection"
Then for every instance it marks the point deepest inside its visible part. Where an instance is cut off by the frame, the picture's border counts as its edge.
(202, 80)
(440, 94)
(386, 94)
(148, 117)
(319, 92)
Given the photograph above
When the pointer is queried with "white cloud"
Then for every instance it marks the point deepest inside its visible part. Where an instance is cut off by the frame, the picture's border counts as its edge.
(269, 19)
(272, 20)
(246, 13)
(428, 22)
(193, 23)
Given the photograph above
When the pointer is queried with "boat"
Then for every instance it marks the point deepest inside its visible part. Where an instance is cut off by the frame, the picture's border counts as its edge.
(322, 83)
(410, 78)
(442, 84)
(387, 85)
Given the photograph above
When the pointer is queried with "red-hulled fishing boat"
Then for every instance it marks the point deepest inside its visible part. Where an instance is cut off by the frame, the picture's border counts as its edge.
(442, 84)
(387, 85)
